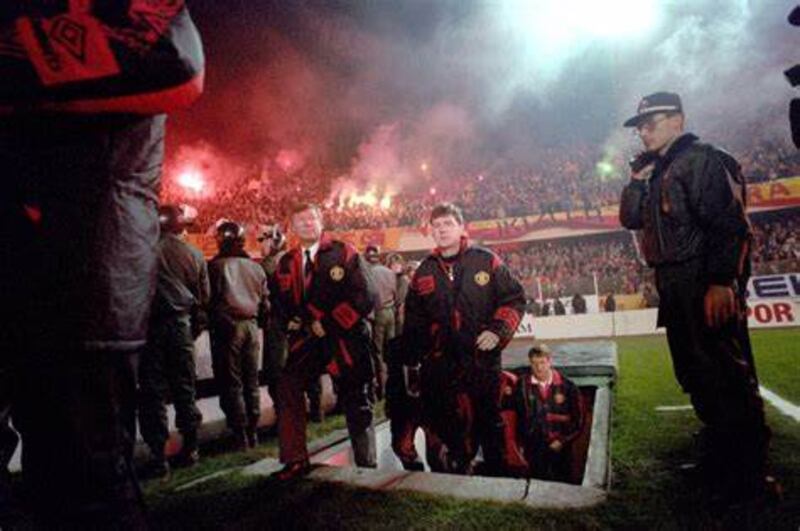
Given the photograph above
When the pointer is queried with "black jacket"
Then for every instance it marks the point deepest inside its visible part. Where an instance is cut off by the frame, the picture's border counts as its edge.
(693, 207)
(447, 316)
(339, 293)
(544, 418)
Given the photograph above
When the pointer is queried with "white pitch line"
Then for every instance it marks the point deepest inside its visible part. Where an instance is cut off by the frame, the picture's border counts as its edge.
(784, 406)
(687, 407)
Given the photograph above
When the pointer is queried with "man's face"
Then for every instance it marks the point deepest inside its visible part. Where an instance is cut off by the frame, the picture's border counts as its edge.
(447, 232)
(396, 267)
(658, 130)
(540, 365)
(266, 244)
(307, 225)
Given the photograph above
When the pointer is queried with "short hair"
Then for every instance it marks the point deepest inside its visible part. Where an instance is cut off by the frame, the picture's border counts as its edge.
(447, 209)
(395, 258)
(302, 207)
(540, 351)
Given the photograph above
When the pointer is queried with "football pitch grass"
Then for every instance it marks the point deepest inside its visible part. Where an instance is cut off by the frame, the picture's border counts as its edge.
(647, 491)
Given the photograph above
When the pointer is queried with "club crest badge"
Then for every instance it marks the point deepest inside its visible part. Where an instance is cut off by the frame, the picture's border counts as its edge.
(337, 273)
(482, 278)
(559, 398)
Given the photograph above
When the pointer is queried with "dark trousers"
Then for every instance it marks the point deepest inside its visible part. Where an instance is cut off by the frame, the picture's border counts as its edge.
(715, 367)
(76, 414)
(461, 411)
(234, 355)
(548, 464)
(404, 411)
(167, 368)
(357, 403)
(77, 272)
(275, 351)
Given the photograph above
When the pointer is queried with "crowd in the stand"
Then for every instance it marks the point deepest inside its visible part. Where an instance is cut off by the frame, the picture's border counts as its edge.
(776, 247)
(569, 266)
(565, 180)
(565, 183)
(768, 160)
(565, 267)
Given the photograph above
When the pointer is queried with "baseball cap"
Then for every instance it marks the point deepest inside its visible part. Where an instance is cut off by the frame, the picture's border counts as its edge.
(655, 103)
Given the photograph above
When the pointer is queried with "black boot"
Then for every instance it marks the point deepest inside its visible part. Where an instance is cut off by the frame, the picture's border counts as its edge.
(239, 440)
(414, 466)
(315, 413)
(156, 468)
(189, 454)
(252, 436)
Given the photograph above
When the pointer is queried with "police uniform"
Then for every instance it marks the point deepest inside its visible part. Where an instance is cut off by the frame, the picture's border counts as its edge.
(451, 301)
(334, 290)
(168, 365)
(238, 301)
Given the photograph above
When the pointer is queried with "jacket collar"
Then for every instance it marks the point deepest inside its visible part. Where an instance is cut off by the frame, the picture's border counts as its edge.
(463, 244)
(325, 243)
(681, 144)
(231, 252)
(555, 378)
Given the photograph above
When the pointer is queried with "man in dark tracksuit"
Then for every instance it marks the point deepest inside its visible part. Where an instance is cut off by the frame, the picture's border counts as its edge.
(321, 296)
(167, 366)
(689, 203)
(463, 308)
(81, 147)
(238, 304)
(276, 349)
(550, 413)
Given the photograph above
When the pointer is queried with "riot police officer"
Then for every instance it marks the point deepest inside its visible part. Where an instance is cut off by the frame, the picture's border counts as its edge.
(167, 366)
(238, 304)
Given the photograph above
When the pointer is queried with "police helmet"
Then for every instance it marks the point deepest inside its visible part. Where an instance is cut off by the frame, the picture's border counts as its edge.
(230, 231)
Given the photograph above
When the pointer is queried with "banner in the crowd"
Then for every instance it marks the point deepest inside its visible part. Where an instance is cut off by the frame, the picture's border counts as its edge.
(773, 313)
(761, 313)
(774, 194)
(774, 286)
(514, 231)
(520, 229)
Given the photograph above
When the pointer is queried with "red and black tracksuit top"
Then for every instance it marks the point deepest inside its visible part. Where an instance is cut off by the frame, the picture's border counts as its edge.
(339, 294)
(452, 301)
(548, 413)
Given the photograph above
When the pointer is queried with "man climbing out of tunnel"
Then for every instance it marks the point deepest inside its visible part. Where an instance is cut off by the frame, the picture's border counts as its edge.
(550, 417)
(462, 310)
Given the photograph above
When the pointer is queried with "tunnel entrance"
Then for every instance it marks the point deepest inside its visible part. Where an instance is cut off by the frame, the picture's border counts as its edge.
(593, 368)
